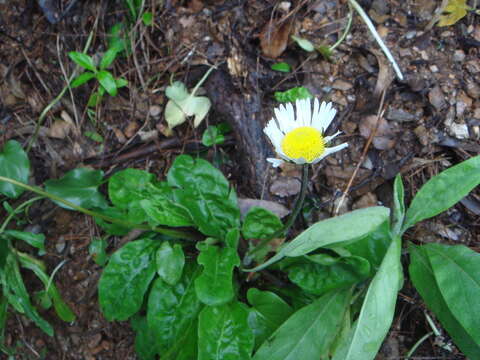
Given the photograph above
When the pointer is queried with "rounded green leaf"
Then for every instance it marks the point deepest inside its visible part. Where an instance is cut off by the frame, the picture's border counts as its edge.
(127, 186)
(126, 279)
(443, 191)
(282, 67)
(268, 312)
(309, 332)
(214, 286)
(224, 333)
(318, 279)
(170, 261)
(172, 309)
(80, 187)
(14, 164)
(108, 82)
(260, 223)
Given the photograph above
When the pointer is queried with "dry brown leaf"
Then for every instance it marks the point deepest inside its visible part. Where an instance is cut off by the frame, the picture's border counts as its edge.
(274, 39)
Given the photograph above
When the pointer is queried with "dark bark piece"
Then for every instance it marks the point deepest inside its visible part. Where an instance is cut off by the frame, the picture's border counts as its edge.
(242, 110)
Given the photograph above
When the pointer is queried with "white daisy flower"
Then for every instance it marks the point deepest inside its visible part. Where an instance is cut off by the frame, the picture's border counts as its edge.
(300, 139)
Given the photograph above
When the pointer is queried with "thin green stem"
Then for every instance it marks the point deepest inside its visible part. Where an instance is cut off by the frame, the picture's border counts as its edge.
(166, 231)
(346, 31)
(417, 344)
(293, 216)
(17, 210)
(57, 99)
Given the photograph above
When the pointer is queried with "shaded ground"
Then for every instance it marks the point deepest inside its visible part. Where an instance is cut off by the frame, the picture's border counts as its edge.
(431, 121)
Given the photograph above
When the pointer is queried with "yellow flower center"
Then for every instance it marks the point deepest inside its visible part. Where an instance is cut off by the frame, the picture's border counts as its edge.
(303, 142)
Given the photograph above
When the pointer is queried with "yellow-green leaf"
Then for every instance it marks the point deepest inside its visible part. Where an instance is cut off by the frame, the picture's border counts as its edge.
(453, 12)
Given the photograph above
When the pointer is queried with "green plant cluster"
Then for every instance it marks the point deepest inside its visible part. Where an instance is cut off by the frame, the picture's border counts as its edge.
(330, 292)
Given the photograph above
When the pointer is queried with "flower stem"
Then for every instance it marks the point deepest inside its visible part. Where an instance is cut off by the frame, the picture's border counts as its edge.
(293, 216)
(181, 234)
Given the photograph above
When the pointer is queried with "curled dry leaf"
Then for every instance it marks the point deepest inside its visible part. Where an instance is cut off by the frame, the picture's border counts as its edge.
(274, 38)
(384, 136)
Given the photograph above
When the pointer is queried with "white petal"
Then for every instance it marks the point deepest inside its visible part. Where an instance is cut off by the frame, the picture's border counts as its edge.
(274, 133)
(308, 113)
(290, 125)
(275, 162)
(328, 116)
(327, 139)
(329, 151)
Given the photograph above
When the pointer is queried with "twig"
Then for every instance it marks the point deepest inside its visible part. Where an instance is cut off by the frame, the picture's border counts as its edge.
(364, 153)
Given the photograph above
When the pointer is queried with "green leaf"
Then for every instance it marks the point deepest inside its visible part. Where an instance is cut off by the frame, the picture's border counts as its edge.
(93, 135)
(108, 58)
(116, 38)
(171, 310)
(15, 165)
(212, 136)
(121, 82)
(82, 79)
(35, 240)
(147, 18)
(309, 332)
(325, 51)
(80, 187)
(146, 346)
(17, 295)
(170, 261)
(282, 67)
(398, 204)
(421, 274)
(94, 99)
(61, 308)
(453, 12)
(303, 43)
(183, 104)
(126, 279)
(443, 191)
(224, 334)
(162, 210)
(108, 82)
(349, 227)
(206, 194)
(373, 246)
(268, 312)
(112, 229)
(377, 310)
(293, 94)
(97, 249)
(4, 251)
(457, 273)
(214, 286)
(83, 60)
(260, 223)
(318, 279)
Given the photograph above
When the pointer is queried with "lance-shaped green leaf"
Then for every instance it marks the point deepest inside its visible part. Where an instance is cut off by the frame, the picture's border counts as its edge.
(214, 286)
(172, 309)
(398, 204)
(15, 165)
(260, 223)
(126, 278)
(146, 346)
(170, 261)
(377, 311)
(79, 186)
(107, 80)
(457, 273)
(349, 227)
(318, 278)
(421, 274)
(61, 308)
(204, 191)
(443, 191)
(224, 334)
(268, 312)
(35, 240)
(309, 332)
(16, 293)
